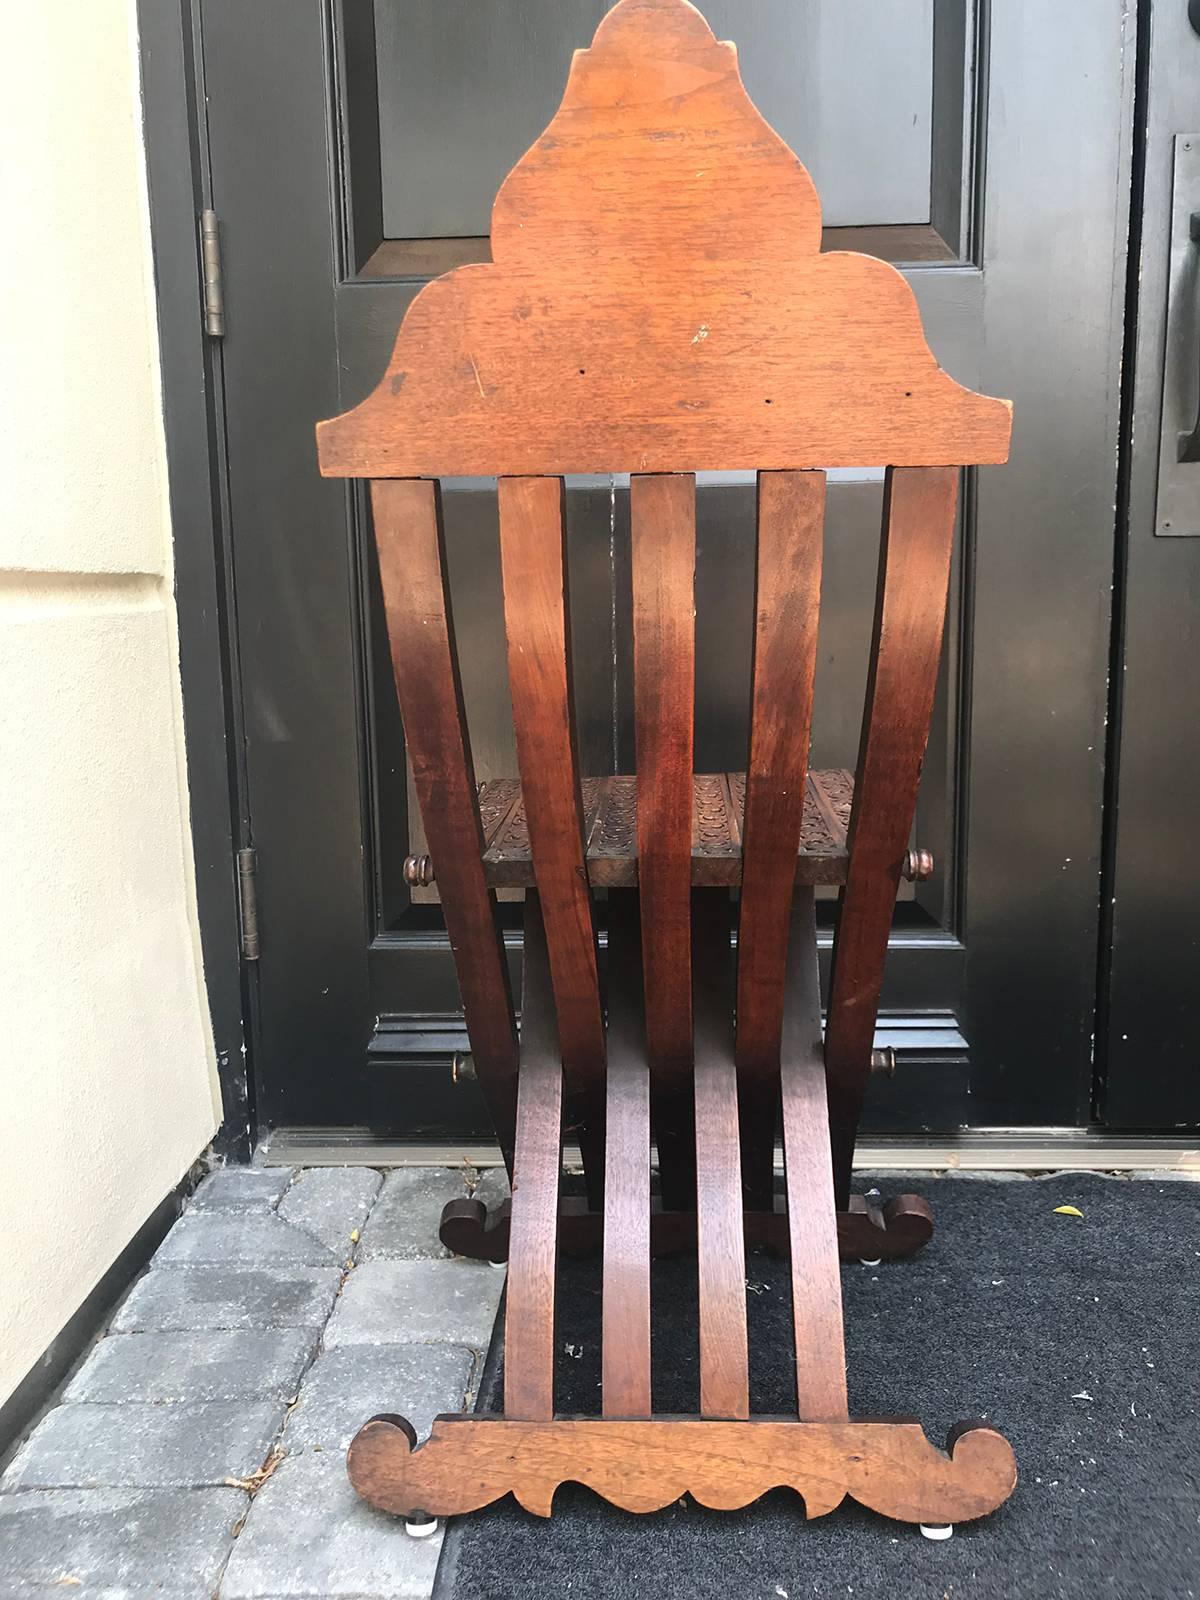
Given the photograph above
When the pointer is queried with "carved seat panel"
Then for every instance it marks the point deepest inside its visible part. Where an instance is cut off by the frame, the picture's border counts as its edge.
(610, 830)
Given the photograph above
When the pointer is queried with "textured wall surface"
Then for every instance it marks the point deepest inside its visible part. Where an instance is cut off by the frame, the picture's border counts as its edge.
(107, 1081)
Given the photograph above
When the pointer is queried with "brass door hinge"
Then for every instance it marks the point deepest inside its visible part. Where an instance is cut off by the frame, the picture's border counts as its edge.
(247, 867)
(210, 261)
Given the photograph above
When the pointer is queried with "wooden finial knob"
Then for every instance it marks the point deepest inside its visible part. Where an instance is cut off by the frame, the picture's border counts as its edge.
(418, 871)
(918, 865)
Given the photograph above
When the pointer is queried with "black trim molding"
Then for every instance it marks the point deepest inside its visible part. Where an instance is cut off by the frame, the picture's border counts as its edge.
(192, 412)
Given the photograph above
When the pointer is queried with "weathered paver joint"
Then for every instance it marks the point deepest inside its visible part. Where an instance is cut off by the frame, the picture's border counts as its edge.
(283, 1310)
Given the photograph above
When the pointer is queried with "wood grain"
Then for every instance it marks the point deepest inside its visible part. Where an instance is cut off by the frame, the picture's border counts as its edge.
(812, 1222)
(408, 535)
(724, 1360)
(533, 565)
(625, 1343)
(787, 603)
(610, 822)
(901, 242)
(532, 1261)
(663, 528)
(658, 302)
(889, 1467)
(910, 610)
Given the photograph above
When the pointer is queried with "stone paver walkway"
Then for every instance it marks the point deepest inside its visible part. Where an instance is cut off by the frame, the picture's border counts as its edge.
(199, 1450)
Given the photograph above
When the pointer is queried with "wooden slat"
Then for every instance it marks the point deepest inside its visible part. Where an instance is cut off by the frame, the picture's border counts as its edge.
(533, 1239)
(625, 1350)
(533, 563)
(812, 1220)
(791, 509)
(724, 1369)
(408, 533)
(663, 520)
(914, 570)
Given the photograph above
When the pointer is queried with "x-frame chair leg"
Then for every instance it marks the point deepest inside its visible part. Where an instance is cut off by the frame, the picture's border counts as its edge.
(643, 1463)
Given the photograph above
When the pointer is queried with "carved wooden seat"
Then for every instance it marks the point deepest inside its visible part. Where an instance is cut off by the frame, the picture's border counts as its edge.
(610, 833)
(657, 304)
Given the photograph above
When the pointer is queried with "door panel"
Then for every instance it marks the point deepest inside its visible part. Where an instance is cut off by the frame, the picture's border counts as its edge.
(1148, 1043)
(465, 89)
(295, 559)
(1054, 234)
(1017, 170)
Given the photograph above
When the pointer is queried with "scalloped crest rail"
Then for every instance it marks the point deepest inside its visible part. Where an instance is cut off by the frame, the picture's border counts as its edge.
(658, 304)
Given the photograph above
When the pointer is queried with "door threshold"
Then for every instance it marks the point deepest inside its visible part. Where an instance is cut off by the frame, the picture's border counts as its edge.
(974, 1150)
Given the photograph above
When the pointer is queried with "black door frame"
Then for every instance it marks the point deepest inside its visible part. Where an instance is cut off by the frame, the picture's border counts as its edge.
(194, 410)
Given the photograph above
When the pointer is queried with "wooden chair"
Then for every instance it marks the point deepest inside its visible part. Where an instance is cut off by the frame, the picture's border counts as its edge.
(658, 304)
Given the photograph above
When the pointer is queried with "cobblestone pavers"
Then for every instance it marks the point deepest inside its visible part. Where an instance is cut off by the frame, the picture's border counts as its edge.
(199, 1450)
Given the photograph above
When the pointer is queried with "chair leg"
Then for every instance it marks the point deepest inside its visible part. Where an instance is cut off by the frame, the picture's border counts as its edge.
(723, 1458)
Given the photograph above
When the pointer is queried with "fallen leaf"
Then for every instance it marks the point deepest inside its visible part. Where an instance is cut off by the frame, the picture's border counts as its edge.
(1068, 1211)
(354, 1237)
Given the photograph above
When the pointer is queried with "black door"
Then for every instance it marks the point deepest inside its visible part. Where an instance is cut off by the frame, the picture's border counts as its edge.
(1150, 1030)
(353, 150)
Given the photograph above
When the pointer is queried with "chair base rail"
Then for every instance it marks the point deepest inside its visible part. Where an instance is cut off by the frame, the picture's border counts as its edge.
(867, 1231)
(890, 1467)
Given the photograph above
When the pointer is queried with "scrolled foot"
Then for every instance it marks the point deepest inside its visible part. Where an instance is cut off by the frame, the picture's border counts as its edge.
(870, 1233)
(469, 1229)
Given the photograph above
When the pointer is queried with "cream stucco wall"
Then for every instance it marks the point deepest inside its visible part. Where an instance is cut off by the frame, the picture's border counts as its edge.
(107, 1082)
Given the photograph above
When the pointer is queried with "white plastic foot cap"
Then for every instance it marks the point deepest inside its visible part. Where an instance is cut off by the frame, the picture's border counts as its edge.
(424, 1529)
(938, 1530)
(500, 1266)
(878, 1262)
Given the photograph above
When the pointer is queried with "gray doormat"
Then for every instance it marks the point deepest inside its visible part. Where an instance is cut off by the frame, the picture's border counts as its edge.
(1078, 1337)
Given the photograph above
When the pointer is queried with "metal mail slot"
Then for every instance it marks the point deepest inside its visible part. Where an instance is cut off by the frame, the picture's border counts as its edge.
(1177, 514)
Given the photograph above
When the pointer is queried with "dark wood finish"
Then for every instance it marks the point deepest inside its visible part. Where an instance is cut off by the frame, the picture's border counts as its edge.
(625, 1351)
(610, 823)
(889, 1467)
(914, 573)
(533, 562)
(663, 526)
(724, 1366)
(866, 1231)
(812, 1221)
(791, 509)
(408, 534)
(529, 1301)
(639, 316)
